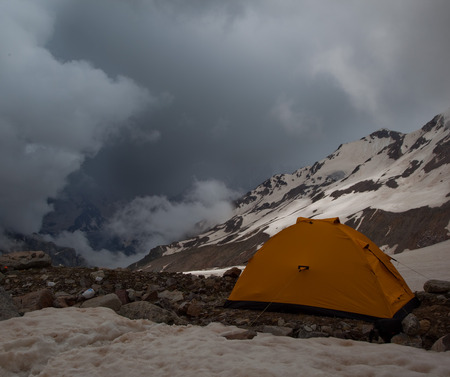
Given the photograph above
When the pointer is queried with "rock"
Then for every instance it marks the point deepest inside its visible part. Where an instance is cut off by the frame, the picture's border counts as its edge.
(64, 300)
(171, 282)
(327, 329)
(314, 334)
(345, 326)
(23, 260)
(7, 307)
(406, 340)
(107, 301)
(365, 329)
(232, 272)
(147, 310)
(426, 298)
(194, 309)
(425, 326)
(60, 302)
(150, 296)
(98, 275)
(278, 330)
(242, 321)
(35, 301)
(442, 344)
(437, 286)
(240, 334)
(173, 296)
(123, 296)
(411, 325)
(131, 293)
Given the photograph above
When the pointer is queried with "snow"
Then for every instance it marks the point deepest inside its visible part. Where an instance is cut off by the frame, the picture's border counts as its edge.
(97, 342)
(418, 266)
(75, 342)
(213, 271)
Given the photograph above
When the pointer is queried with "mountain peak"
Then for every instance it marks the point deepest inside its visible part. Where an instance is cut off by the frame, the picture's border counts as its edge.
(386, 133)
(383, 184)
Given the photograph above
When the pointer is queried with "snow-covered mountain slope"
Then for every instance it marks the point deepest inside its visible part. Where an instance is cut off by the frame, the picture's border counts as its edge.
(393, 187)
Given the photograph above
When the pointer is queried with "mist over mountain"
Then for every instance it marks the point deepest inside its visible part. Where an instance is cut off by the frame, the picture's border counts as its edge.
(393, 187)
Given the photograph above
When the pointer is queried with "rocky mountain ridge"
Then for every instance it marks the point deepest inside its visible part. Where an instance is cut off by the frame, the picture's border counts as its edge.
(393, 187)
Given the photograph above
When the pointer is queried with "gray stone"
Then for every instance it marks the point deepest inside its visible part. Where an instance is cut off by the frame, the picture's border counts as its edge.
(98, 275)
(278, 330)
(194, 309)
(442, 344)
(240, 334)
(147, 310)
(437, 286)
(431, 299)
(173, 296)
(406, 340)
(411, 325)
(344, 326)
(326, 329)
(22, 260)
(107, 301)
(365, 329)
(314, 334)
(7, 307)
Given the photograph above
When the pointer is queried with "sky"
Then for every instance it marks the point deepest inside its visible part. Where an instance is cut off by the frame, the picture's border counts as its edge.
(162, 101)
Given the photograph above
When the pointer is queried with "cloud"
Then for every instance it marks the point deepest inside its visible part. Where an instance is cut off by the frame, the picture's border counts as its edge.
(156, 220)
(249, 89)
(98, 258)
(293, 120)
(355, 81)
(52, 113)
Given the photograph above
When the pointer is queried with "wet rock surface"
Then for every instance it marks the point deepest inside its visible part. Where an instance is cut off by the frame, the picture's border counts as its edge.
(177, 298)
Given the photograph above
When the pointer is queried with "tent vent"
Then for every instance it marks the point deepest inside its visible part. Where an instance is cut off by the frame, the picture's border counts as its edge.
(303, 268)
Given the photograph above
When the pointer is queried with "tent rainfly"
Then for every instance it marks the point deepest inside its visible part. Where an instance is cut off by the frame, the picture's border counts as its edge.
(321, 266)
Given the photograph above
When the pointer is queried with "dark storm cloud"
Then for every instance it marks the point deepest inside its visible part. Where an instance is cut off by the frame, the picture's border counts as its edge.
(149, 97)
(52, 114)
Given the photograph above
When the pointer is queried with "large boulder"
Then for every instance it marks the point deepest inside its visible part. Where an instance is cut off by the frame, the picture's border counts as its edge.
(107, 301)
(411, 325)
(35, 301)
(7, 307)
(23, 260)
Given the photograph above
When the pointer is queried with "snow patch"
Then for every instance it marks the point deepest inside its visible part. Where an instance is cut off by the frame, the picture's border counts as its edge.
(418, 266)
(98, 342)
(213, 271)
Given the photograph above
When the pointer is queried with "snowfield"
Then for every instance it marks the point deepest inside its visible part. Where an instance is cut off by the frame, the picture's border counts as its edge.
(97, 342)
(418, 266)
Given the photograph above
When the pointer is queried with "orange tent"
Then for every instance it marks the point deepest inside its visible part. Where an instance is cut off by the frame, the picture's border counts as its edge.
(323, 267)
